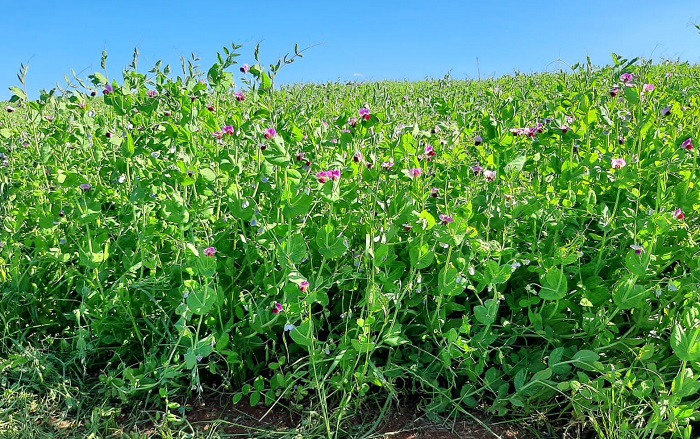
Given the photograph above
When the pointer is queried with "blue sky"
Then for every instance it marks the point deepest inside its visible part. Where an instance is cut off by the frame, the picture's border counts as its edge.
(359, 40)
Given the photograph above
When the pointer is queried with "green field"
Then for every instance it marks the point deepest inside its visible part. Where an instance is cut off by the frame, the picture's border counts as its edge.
(524, 247)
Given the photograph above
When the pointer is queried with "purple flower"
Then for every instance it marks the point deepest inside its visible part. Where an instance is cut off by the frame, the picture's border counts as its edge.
(357, 158)
(108, 89)
(323, 176)
(478, 140)
(245, 68)
(217, 134)
(210, 252)
(152, 93)
(666, 111)
(334, 175)
(228, 129)
(627, 78)
(618, 163)
(679, 215)
(446, 219)
(352, 122)
(365, 113)
(304, 286)
(490, 175)
(638, 249)
(614, 91)
(435, 192)
(211, 108)
(86, 187)
(477, 170)
(278, 308)
(688, 144)
(429, 151)
(239, 96)
(388, 165)
(565, 129)
(648, 88)
(415, 172)
(270, 133)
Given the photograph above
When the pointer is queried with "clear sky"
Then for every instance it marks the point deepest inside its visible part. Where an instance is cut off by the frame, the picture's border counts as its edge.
(353, 40)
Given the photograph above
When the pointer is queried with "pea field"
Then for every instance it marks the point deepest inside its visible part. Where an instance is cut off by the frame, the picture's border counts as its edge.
(524, 247)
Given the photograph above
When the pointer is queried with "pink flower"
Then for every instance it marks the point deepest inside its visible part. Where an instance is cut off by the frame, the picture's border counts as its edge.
(304, 286)
(217, 134)
(245, 68)
(278, 308)
(614, 91)
(415, 172)
(679, 215)
(435, 192)
(357, 158)
(152, 93)
(490, 175)
(86, 187)
(209, 252)
(618, 163)
(477, 170)
(270, 133)
(239, 96)
(387, 165)
(445, 219)
(565, 129)
(365, 113)
(627, 78)
(108, 89)
(407, 227)
(228, 129)
(352, 122)
(334, 175)
(688, 144)
(322, 176)
(211, 108)
(429, 151)
(478, 140)
(648, 88)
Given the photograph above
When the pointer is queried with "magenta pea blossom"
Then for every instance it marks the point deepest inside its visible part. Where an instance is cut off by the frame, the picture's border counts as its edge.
(211, 108)
(217, 134)
(152, 93)
(435, 192)
(357, 158)
(324, 176)
(365, 113)
(679, 215)
(614, 91)
(228, 129)
(245, 68)
(108, 89)
(352, 122)
(446, 219)
(429, 151)
(304, 286)
(618, 163)
(210, 252)
(477, 170)
(270, 133)
(688, 144)
(407, 227)
(638, 249)
(489, 175)
(388, 165)
(415, 172)
(648, 88)
(239, 96)
(565, 129)
(627, 78)
(278, 308)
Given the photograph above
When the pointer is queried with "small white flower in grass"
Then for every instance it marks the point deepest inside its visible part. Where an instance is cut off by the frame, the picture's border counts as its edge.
(288, 327)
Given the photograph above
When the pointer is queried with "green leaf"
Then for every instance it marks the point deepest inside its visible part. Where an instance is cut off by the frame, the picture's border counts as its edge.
(208, 174)
(686, 344)
(516, 165)
(627, 294)
(19, 93)
(585, 358)
(302, 334)
(330, 245)
(486, 314)
(554, 284)
(421, 255)
(201, 299)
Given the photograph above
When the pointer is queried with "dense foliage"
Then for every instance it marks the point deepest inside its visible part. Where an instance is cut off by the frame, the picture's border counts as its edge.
(523, 244)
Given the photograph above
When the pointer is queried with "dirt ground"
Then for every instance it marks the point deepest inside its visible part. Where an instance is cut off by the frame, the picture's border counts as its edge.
(405, 422)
